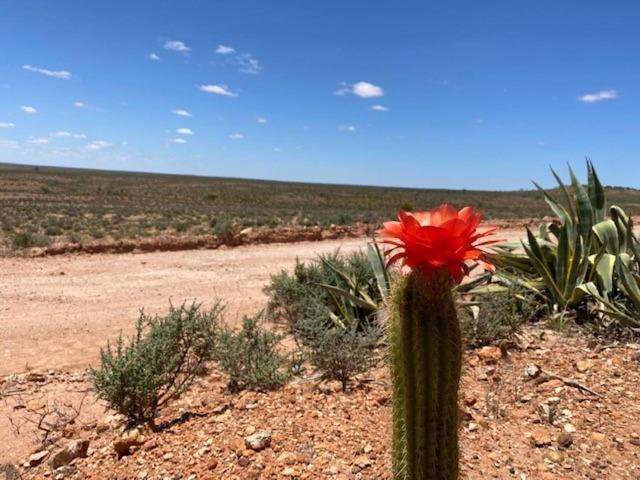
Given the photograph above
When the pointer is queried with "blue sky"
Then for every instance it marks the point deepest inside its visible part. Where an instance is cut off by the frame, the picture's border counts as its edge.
(460, 94)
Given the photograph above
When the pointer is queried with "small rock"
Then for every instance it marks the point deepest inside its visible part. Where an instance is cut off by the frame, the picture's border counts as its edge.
(258, 441)
(569, 428)
(553, 456)
(583, 365)
(565, 440)
(635, 441)
(37, 458)
(124, 443)
(540, 437)
(150, 444)
(490, 354)
(74, 449)
(598, 437)
(35, 405)
(532, 371)
(35, 377)
(243, 461)
(362, 461)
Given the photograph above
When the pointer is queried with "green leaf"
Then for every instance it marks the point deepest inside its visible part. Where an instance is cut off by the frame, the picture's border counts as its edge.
(629, 283)
(607, 233)
(585, 210)
(596, 192)
(365, 302)
(377, 263)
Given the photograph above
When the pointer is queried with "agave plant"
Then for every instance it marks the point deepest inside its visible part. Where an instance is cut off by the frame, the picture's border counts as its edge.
(585, 252)
(360, 295)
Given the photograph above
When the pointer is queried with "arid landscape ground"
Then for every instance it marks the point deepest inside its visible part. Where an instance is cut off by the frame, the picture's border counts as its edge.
(58, 310)
(543, 404)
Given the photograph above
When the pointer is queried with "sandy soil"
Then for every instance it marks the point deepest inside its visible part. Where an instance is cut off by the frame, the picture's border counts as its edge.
(55, 312)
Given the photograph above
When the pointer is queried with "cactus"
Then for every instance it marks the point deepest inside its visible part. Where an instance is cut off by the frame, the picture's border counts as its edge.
(426, 362)
(424, 337)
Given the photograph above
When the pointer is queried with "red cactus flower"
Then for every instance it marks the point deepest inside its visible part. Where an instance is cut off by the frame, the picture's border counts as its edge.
(440, 238)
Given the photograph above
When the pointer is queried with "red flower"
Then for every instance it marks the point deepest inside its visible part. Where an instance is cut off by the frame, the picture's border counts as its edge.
(440, 238)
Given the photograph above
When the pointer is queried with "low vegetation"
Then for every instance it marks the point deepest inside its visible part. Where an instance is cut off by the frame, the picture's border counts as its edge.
(158, 363)
(585, 265)
(43, 205)
(251, 357)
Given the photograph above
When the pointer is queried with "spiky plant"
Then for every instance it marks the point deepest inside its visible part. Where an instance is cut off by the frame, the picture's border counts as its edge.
(425, 339)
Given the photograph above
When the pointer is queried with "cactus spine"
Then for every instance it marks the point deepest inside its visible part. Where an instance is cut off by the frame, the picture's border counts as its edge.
(426, 358)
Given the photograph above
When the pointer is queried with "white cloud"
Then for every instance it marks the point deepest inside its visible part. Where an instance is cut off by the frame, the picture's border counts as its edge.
(343, 90)
(178, 140)
(379, 108)
(261, 120)
(79, 104)
(176, 46)
(236, 136)
(225, 50)
(39, 141)
(367, 90)
(360, 89)
(181, 112)
(153, 56)
(218, 90)
(65, 134)
(27, 109)
(184, 131)
(61, 74)
(7, 125)
(248, 64)
(97, 145)
(598, 96)
(347, 128)
(9, 144)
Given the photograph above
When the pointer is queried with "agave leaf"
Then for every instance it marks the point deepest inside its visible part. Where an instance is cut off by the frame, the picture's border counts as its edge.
(585, 210)
(558, 209)
(607, 234)
(535, 254)
(629, 283)
(351, 282)
(365, 301)
(377, 264)
(563, 260)
(570, 201)
(604, 265)
(490, 288)
(596, 192)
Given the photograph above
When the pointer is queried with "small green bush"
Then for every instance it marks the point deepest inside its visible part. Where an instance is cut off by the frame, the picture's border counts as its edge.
(339, 353)
(157, 364)
(28, 240)
(498, 316)
(251, 358)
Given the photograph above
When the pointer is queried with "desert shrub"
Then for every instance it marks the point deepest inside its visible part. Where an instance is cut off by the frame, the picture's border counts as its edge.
(28, 240)
(250, 357)
(53, 230)
(158, 363)
(498, 315)
(224, 228)
(299, 295)
(96, 233)
(339, 353)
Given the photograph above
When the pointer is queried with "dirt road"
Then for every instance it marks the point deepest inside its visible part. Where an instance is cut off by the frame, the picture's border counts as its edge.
(55, 312)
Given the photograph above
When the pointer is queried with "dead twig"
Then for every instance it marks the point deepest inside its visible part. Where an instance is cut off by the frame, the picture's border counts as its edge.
(541, 376)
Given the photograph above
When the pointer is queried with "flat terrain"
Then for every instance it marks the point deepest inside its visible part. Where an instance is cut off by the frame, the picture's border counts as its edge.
(40, 206)
(55, 312)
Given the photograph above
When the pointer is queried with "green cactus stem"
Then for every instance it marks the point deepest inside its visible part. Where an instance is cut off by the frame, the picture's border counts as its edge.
(426, 359)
